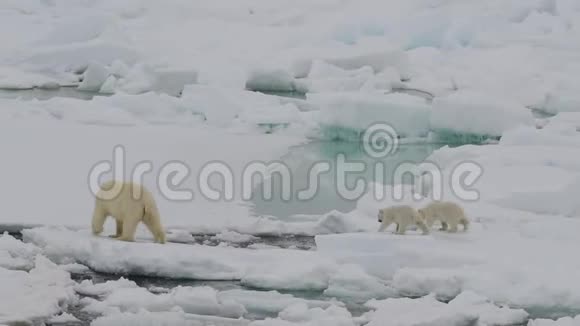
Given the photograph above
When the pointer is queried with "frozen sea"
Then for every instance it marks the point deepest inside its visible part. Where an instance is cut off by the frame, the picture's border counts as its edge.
(476, 101)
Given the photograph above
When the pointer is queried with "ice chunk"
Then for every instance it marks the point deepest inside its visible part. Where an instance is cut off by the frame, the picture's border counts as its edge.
(414, 282)
(108, 86)
(469, 112)
(563, 321)
(178, 318)
(375, 53)
(555, 103)
(221, 106)
(195, 300)
(325, 77)
(407, 115)
(268, 301)
(142, 78)
(487, 311)
(300, 314)
(337, 222)
(94, 77)
(64, 318)
(290, 277)
(88, 288)
(37, 295)
(468, 308)
(15, 254)
(422, 311)
(234, 237)
(172, 80)
(139, 79)
(75, 268)
(275, 80)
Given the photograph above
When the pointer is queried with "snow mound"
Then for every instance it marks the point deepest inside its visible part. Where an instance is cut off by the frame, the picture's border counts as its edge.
(470, 112)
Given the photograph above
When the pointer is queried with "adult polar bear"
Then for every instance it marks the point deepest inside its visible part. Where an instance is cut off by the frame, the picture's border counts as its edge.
(128, 203)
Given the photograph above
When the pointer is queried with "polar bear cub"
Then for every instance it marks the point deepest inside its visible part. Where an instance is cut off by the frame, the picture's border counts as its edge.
(403, 216)
(129, 203)
(449, 214)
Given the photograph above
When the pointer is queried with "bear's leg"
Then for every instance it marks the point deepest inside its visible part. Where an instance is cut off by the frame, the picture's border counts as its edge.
(465, 223)
(423, 227)
(401, 228)
(129, 228)
(156, 229)
(444, 226)
(453, 227)
(119, 230)
(99, 217)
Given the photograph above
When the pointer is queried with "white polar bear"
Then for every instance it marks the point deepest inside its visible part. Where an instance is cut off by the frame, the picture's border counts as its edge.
(403, 216)
(128, 204)
(449, 214)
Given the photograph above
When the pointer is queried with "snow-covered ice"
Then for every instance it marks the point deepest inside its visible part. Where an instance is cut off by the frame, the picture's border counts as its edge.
(563, 321)
(466, 309)
(407, 114)
(268, 268)
(37, 295)
(193, 300)
(180, 81)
